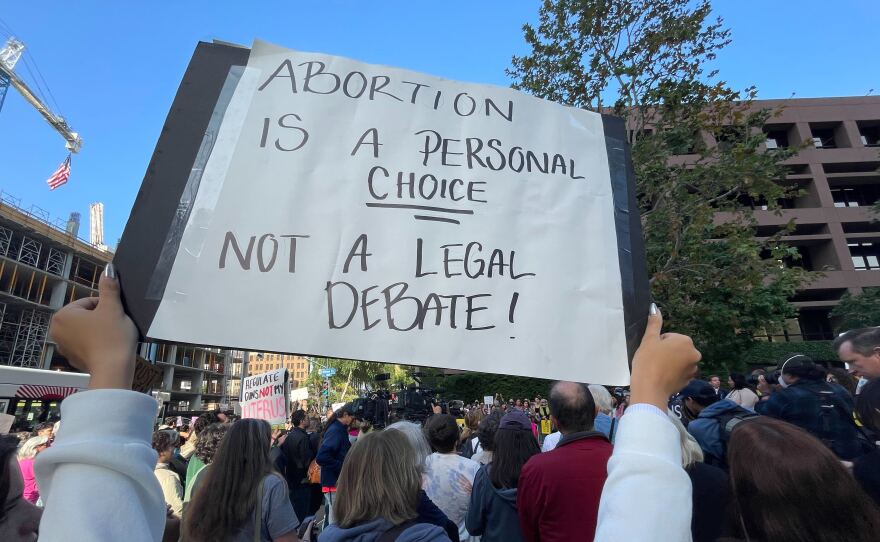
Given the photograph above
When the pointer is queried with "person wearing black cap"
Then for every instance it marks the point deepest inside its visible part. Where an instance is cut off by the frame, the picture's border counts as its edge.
(710, 417)
(492, 512)
(821, 408)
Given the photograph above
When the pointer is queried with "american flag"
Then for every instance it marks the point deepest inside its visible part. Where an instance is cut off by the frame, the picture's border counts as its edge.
(61, 175)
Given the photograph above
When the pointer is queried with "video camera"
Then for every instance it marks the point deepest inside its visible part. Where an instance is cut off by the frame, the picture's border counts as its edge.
(413, 403)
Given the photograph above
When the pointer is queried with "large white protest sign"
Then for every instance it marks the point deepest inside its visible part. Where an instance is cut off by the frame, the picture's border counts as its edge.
(345, 209)
(266, 396)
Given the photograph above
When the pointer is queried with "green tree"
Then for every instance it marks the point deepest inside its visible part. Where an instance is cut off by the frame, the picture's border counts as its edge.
(697, 152)
(353, 376)
(855, 311)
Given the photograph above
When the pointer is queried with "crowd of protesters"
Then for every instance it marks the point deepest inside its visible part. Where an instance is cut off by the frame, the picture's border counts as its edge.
(785, 454)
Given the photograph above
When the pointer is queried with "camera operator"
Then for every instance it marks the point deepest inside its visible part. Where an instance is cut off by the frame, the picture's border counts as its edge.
(823, 409)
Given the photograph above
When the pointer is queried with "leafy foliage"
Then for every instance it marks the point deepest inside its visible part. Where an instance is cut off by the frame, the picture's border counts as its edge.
(765, 354)
(474, 386)
(352, 376)
(855, 311)
(698, 158)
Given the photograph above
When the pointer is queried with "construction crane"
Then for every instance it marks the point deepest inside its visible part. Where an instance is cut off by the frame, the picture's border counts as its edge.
(9, 56)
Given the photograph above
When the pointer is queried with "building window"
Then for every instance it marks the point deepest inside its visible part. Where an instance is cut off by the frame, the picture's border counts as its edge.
(185, 385)
(865, 255)
(845, 197)
(816, 325)
(869, 132)
(183, 405)
(777, 137)
(827, 135)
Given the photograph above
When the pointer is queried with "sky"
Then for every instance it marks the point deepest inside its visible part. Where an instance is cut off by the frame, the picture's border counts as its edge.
(113, 68)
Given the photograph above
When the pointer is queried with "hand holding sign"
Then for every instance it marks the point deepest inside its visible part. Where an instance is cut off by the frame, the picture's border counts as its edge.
(472, 227)
(97, 337)
(663, 364)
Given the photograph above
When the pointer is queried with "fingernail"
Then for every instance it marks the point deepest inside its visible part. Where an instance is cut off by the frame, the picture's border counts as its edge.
(110, 271)
(653, 309)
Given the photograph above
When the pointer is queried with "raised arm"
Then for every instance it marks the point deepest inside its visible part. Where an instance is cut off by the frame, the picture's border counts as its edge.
(97, 479)
(644, 472)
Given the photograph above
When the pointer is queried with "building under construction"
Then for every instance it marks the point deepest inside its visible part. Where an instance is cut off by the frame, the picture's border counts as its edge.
(43, 266)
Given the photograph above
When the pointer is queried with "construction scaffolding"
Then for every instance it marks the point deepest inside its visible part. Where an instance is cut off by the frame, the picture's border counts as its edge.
(42, 267)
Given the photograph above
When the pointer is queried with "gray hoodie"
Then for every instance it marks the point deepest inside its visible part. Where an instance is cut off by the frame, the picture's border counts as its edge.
(369, 532)
(492, 512)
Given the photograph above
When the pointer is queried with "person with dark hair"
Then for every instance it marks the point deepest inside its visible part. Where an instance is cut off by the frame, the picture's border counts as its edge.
(448, 477)
(486, 436)
(866, 468)
(276, 456)
(715, 381)
(837, 375)
(859, 349)
(331, 455)
(787, 487)
(825, 410)
(206, 448)
(241, 498)
(19, 518)
(188, 449)
(172, 489)
(492, 510)
(45, 429)
(711, 419)
(298, 456)
(740, 393)
(558, 497)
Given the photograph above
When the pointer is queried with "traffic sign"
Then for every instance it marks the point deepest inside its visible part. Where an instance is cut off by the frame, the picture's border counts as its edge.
(327, 372)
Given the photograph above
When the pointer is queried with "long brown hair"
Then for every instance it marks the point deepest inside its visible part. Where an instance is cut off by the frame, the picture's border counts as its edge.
(787, 486)
(512, 450)
(225, 498)
(380, 479)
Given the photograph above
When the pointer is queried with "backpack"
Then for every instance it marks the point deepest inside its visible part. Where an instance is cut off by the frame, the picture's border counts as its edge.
(832, 413)
(727, 422)
(466, 448)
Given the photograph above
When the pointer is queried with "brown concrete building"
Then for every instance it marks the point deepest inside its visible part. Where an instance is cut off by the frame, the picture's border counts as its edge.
(297, 366)
(837, 233)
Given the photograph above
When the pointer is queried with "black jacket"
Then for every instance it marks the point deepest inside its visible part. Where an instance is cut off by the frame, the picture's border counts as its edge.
(297, 454)
(866, 470)
(710, 497)
(823, 409)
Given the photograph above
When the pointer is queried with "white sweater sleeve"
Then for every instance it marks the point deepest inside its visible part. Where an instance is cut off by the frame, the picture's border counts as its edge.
(647, 496)
(97, 479)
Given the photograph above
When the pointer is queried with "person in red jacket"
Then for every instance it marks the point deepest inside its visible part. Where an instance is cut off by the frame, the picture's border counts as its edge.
(559, 491)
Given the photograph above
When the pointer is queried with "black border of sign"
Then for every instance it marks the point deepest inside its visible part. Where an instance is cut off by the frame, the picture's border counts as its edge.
(628, 225)
(168, 172)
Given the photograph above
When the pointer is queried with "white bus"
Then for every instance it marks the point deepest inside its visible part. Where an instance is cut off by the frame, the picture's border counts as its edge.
(34, 396)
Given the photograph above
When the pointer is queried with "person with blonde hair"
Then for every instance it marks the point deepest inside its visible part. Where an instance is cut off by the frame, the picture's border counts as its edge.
(27, 454)
(428, 511)
(378, 493)
(468, 443)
